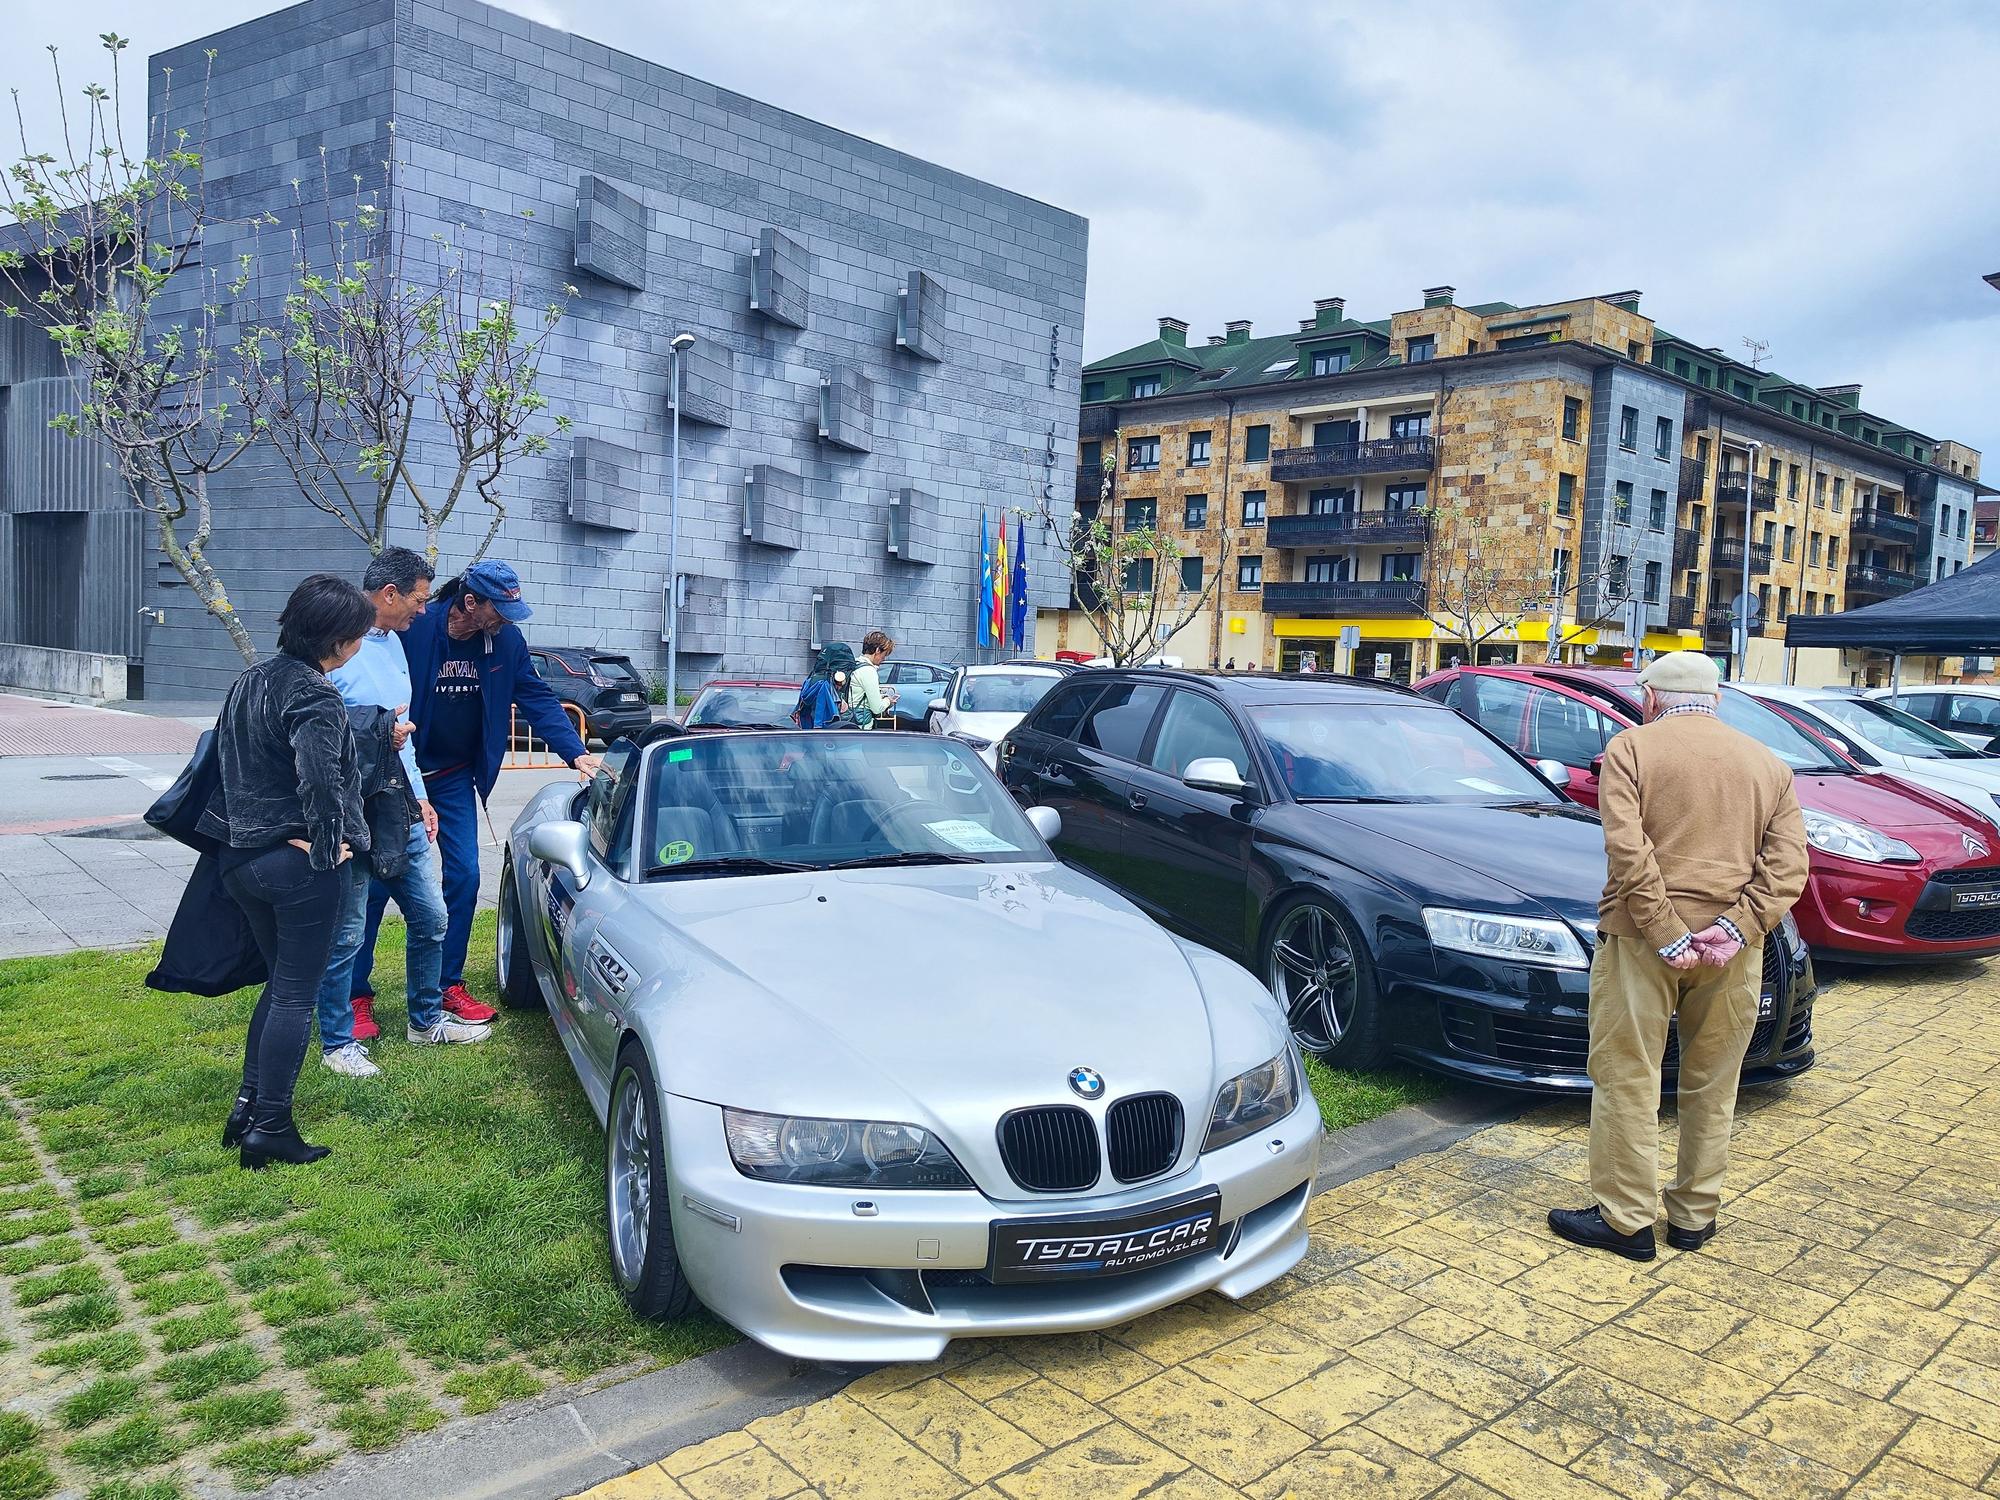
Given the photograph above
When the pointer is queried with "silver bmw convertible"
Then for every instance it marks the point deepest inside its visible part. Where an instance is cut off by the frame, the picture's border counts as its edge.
(1068, 1119)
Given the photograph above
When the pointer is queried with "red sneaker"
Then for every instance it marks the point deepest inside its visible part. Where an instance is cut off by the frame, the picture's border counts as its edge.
(458, 1000)
(365, 1029)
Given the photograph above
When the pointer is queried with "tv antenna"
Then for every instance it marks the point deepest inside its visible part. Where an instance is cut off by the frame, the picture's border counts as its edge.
(1759, 349)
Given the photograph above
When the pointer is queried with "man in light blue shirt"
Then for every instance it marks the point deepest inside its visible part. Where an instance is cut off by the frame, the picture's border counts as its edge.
(378, 675)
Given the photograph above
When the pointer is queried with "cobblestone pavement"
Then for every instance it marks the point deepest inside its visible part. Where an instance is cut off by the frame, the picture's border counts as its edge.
(1841, 1336)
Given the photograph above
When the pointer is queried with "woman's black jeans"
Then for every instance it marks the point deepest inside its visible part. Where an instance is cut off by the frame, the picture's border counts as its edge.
(292, 910)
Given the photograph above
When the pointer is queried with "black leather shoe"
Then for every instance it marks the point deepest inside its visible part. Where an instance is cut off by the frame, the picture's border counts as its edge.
(1690, 1239)
(238, 1123)
(1586, 1227)
(262, 1148)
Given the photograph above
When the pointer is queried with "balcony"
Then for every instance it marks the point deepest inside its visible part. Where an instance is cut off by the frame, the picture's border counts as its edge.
(1731, 484)
(1369, 528)
(1687, 548)
(1878, 583)
(1718, 623)
(1099, 419)
(1089, 484)
(1391, 598)
(1726, 557)
(1694, 479)
(1372, 456)
(1871, 523)
(1680, 612)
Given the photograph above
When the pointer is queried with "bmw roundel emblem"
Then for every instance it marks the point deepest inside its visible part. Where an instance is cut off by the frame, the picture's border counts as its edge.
(1086, 1083)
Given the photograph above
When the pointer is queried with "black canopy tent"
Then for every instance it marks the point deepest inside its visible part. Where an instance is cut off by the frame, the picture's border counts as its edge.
(1956, 616)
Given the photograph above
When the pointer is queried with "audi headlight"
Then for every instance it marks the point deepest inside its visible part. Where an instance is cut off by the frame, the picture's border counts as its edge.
(1252, 1100)
(839, 1153)
(1541, 941)
(1795, 941)
(1849, 840)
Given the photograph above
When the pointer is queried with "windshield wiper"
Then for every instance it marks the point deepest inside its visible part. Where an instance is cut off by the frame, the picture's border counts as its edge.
(1352, 799)
(730, 864)
(884, 861)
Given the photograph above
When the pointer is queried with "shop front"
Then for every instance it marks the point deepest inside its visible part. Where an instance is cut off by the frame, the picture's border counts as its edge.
(1405, 651)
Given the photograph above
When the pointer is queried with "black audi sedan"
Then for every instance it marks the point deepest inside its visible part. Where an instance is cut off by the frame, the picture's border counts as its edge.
(1407, 885)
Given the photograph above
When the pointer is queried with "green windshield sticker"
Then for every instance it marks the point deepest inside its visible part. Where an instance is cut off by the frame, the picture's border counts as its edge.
(679, 852)
(680, 755)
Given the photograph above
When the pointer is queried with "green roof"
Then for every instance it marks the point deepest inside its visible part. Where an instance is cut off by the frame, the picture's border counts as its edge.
(1228, 366)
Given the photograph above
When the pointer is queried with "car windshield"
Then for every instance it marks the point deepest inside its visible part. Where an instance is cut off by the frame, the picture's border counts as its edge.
(617, 671)
(1893, 730)
(1392, 752)
(748, 804)
(1004, 692)
(743, 707)
(1776, 733)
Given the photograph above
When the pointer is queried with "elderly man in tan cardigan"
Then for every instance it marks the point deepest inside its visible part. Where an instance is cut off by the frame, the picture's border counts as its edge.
(1707, 852)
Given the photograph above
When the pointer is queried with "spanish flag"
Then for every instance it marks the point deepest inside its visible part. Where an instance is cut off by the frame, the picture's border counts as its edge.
(996, 599)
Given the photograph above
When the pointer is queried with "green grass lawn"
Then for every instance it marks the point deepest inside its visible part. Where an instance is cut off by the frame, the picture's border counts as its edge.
(178, 1322)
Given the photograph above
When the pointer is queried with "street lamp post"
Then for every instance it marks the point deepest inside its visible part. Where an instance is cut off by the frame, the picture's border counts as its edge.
(1743, 599)
(682, 342)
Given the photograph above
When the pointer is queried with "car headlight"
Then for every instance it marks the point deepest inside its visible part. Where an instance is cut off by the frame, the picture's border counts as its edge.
(1252, 1100)
(1849, 840)
(1542, 941)
(839, 1153)
(1795, 941)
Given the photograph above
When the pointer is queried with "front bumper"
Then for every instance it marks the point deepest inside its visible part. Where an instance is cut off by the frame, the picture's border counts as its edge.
(1909, 917)
(813, 1273)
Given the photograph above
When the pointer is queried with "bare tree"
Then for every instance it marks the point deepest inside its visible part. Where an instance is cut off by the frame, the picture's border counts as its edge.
(369, 345)
(1128, 581)
(106, 258)
(1481, 601)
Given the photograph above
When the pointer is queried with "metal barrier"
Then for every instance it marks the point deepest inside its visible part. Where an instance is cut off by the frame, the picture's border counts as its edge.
(526, 751)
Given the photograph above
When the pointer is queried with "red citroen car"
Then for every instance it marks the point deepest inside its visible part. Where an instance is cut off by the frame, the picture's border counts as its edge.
(1899, 875)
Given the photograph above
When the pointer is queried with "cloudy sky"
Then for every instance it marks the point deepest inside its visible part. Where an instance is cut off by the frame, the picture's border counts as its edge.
(1823, 177)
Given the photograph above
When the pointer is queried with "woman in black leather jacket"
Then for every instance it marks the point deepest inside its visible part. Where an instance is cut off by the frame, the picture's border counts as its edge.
(289, 812)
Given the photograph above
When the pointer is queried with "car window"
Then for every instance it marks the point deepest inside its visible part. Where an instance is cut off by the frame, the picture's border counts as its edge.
(1003, 692)
(1892, 729)
(607, 805)
(1060, 713)
(743, 707)
(1392, 752)
(1563, 729)
(1196, 728)
(1927, 706)
(1499, 706)
(1973, 714)
(1117, 721)
(1776, 733)
(617, 671)
(1445, 692)
(544, 668)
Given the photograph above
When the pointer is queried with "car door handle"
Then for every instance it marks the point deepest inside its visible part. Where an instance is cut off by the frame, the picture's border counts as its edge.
(1136, 800)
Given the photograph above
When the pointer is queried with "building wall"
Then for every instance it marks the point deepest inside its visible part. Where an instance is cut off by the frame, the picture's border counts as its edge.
(1614, 388)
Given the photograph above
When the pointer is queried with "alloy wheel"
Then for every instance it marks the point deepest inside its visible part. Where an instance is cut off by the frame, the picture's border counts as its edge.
(1313, 977)
(630, 1170)
(503, 936)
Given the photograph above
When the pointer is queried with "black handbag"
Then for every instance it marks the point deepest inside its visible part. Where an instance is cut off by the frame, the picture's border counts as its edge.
(181, 805)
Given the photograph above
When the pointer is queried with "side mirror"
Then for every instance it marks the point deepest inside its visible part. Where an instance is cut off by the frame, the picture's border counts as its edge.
(564, 844)
(1211, 773)
(1047, 822)
(1597, 766)
(1555, 773)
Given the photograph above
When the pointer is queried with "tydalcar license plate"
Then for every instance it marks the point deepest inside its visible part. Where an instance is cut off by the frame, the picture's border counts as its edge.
(1977, 897)
(1053, 1249)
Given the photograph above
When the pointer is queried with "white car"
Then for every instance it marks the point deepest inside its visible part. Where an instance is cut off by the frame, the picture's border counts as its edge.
(983, 703)
(1969, 713)
(1877, 733)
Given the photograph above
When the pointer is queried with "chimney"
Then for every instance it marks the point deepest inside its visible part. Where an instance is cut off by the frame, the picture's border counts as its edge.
(1327, 311)
(1846, 395)
(1173, 331)
(1307, 325)
(1439, 296)
(1237, 332)
(1214, 339)
(1629, 301)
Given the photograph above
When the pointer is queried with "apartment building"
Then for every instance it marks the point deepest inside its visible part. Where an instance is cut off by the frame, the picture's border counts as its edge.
(1469, 481)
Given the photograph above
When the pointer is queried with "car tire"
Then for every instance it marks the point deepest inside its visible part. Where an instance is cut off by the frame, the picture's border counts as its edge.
(1321, 947)
(639, 1229)
(519, 989)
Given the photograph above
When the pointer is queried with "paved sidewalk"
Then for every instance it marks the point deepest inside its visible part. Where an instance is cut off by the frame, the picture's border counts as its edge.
(1841, 1336)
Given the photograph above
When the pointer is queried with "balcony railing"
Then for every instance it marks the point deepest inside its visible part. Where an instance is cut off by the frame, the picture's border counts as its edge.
(1680, 612)
(1864, 578)
(1718, 623)
(1726, 557)
(1099, 419)
(1885, 527)
(1371, 456)
(1731, 484)
(1687, 547)
(1694, 476)
(1368, 528)
(1393, 597)
(1089, 484)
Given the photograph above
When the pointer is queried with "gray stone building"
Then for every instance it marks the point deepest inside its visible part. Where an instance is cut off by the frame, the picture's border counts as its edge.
(885, 349)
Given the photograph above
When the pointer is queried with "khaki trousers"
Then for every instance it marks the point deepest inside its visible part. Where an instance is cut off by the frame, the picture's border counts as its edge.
(1633, 994)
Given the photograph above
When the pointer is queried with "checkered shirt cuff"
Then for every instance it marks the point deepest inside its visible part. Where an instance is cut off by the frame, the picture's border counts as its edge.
(1675, 950)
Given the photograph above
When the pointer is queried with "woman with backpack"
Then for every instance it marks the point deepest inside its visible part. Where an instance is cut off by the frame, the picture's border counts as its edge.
(823, 696)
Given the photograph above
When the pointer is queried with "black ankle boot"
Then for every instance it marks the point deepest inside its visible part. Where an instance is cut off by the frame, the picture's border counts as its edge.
(238, 1123)
(260, 1148)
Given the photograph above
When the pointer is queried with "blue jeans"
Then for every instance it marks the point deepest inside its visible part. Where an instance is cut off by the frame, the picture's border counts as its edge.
(362, 903)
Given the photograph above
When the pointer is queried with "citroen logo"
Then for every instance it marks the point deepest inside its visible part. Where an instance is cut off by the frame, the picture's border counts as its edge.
(1973, 846)
(1086, 1083)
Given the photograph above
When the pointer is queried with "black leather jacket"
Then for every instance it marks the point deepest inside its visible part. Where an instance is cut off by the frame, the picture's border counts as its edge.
(288, 764)
(387, 804)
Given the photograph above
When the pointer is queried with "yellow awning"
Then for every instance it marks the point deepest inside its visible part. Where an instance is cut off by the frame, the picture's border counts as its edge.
(1371, 630)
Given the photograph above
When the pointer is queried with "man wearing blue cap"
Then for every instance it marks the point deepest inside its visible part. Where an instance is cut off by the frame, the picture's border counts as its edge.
(469, 672)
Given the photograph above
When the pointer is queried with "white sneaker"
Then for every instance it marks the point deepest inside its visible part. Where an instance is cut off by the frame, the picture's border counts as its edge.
(448, 1029)
(350, 1061)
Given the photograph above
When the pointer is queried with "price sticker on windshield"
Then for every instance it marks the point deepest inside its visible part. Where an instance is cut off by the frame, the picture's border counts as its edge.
(963, 833)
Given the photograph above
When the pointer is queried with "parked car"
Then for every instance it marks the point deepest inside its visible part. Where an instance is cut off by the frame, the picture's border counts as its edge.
(1898, 873)
(743, 703)
(1879, 736)
(1079, 1120)
(1968, 712)
(1406, 884)
(603, 685)
(918, 685)
(983, 702)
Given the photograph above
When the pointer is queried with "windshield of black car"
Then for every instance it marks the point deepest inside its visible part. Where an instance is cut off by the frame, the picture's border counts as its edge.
(742, 707)
(824, 798)
(1776, 733)
(1893, 730)
(1004, 692)
(1392, 752)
